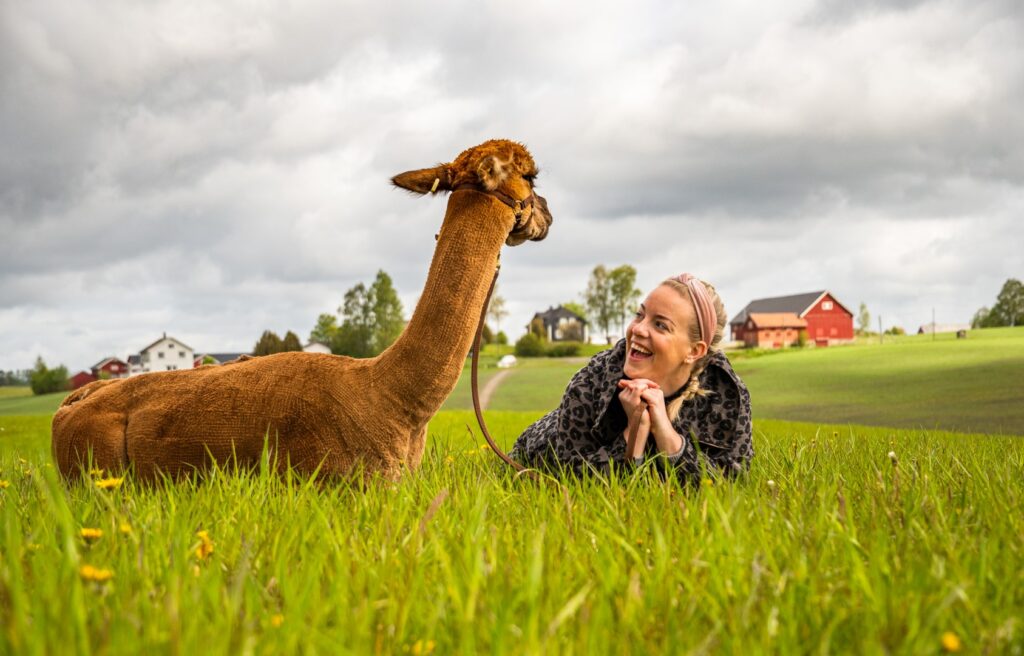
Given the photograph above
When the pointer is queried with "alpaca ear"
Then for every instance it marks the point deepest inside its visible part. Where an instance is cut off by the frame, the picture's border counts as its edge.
(492, 172)
(425, 181)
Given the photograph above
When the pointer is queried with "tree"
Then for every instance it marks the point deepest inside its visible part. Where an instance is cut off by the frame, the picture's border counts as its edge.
(624, 294)
(46, 381)
(291, 342)
(371, 319)
(1009, 307)
(537, 328)
(268, 344)
(387, 320)
(576, 308)
(980, 318)
(598, 299)
(326, 329)
(355, 335)
(863, 319)
(496, 309)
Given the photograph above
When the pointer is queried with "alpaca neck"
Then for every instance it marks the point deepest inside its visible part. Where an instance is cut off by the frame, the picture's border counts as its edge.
(418, 372)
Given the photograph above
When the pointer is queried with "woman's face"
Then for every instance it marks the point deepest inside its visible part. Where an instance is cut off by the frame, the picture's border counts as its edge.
(658, 345)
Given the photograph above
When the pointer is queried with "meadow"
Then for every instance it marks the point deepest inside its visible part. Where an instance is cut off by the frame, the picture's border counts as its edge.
(841, 539)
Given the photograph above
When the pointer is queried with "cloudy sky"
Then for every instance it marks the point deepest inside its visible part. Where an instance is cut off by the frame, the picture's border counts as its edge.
(214, 169)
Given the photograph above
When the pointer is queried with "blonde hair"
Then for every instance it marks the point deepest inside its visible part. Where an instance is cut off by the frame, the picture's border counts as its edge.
(693, 388)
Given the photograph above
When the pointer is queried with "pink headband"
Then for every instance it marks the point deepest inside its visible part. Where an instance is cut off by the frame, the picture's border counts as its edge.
(707, 318)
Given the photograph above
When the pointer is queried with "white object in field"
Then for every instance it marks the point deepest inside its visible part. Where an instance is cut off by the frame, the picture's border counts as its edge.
(507, 361)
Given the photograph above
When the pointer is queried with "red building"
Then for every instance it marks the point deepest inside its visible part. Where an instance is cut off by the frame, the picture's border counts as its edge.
(81, 378)
(776, 322)
(110, 368)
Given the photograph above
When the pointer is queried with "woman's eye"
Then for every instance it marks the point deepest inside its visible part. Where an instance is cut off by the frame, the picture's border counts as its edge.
(660, 325)
(638, 314)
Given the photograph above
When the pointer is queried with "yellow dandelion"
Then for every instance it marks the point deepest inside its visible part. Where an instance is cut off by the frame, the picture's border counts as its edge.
(277, 620)
(125, 528)
(90, 573)
(96, 472)
(484, 447)
(205, 547)
(951, 642)
(90, 534)
(709, 482)
(109, 483)
(4, 485)
(422, 647)
(449, 459)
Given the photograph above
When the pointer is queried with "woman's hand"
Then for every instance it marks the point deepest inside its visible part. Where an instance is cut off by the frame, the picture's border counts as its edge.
(639, 418)
(665, 434)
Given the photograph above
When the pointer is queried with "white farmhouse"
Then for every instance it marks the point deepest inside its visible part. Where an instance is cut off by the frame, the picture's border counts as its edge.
(165, 354)
(316, 347)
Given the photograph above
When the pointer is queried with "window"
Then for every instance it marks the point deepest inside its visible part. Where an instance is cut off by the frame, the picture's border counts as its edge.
(826, 305)
(181, 354)
(160, 355)
(833, 332)
(171, 345)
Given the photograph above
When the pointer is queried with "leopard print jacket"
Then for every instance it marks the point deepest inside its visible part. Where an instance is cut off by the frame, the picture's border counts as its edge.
(584, 433)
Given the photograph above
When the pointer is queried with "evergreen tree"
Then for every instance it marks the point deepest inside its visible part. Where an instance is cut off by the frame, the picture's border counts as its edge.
(268, 343)
(291, 342)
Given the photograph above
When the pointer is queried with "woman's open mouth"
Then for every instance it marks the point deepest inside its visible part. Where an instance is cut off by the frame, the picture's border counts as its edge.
(638, 353)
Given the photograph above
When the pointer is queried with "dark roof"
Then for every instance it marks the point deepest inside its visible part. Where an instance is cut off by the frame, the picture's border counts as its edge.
(106, 360)
(554, 314)
(221, 358)
(797, 304)
(135, 359)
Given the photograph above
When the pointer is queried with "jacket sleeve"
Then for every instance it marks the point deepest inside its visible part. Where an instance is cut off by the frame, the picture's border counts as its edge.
(716, 432)
(569, 436)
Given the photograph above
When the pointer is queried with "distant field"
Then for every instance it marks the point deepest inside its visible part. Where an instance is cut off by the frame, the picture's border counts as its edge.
(19, 401)
(970, 385)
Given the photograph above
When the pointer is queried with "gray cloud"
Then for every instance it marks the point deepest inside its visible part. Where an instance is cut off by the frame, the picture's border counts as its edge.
(215, 170)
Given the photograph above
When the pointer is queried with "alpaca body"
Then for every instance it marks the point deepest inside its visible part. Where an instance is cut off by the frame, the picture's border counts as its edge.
(312, 410)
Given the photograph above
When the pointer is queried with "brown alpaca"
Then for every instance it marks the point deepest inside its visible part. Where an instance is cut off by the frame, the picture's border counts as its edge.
(329, 412)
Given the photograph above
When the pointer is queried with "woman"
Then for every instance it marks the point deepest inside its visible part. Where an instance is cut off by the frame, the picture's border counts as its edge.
(667, 380)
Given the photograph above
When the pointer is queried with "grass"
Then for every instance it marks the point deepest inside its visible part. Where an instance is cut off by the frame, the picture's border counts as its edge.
(909, 382)
(20, 401)
(826, 546)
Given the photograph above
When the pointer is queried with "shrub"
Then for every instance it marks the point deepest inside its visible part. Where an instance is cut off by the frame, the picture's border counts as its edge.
(563, 349)
(501, 338)
(44, 380)
(529, 346)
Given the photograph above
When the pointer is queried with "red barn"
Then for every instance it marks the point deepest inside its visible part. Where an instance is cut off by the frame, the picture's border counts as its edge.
(776, 322)
(81, 378)
(110, 368)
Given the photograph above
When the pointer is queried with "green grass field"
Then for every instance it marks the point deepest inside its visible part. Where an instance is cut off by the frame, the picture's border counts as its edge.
(829, 544)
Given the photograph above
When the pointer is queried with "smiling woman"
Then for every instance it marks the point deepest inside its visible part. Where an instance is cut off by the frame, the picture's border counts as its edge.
(667, 385)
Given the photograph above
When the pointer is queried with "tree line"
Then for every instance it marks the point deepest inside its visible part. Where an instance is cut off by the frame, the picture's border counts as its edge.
(371, 319)
(1007, 311)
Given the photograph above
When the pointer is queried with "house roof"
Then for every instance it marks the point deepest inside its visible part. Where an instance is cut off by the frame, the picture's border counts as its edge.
(552, 315)
(135, 359)
(104, 361)
(942, 327)
(777, 320)
(183, 344)
(798, 304)
(221, 358)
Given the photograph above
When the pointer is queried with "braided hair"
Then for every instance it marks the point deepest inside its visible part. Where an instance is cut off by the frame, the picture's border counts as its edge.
(692, 387)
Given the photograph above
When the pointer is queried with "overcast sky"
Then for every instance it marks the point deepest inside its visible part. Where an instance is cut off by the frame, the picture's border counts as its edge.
(215, 169)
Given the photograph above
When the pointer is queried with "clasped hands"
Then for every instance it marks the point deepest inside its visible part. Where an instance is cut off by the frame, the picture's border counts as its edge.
(647, 394)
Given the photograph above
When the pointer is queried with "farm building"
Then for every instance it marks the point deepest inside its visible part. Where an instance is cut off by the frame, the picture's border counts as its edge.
(562, 325)
(777, 322)
(316, 347)
(165, 354)
(110, 368)
(80, 379)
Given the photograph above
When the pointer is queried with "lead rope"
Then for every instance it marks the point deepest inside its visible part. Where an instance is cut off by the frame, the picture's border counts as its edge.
(630, 443)
(476, 393)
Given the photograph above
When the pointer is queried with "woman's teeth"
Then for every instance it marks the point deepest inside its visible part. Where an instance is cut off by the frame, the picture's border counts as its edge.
(638, 351)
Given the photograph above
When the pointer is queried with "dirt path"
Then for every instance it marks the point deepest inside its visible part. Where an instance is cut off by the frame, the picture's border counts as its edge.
(490, 386)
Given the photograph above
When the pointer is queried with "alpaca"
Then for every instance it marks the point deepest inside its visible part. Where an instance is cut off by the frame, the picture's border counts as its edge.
(324, 413)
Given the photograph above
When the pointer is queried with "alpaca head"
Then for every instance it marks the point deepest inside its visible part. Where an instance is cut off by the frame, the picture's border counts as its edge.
(498, 166)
